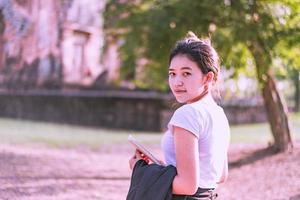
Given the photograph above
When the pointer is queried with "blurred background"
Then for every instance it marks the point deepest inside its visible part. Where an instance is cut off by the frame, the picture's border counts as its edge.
(76, 77)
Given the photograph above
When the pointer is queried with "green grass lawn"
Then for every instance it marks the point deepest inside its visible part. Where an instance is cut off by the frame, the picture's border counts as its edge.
(13, 131)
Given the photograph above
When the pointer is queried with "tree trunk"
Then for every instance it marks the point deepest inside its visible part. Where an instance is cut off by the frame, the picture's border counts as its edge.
(275, 106)
(277, 115)
(297, 90)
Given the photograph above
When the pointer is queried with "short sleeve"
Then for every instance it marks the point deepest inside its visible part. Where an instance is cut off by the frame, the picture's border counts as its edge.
(188, 118)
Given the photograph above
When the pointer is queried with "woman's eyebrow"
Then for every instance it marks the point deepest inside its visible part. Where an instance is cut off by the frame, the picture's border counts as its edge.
(188, 68)
(182, 68)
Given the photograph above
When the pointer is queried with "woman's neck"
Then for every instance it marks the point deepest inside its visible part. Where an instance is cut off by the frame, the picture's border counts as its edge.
(197, 98)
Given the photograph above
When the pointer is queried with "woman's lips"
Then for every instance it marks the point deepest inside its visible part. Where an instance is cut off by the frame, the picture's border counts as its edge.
(179, 91)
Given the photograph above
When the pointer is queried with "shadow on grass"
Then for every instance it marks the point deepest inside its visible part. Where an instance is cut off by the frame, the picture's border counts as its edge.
(253, 157)
(296, 197)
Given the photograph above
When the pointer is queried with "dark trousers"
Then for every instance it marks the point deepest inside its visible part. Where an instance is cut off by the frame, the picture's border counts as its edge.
(201, 194)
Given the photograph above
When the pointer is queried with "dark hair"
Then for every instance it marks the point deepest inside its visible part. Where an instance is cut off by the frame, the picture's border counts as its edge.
(199, 51)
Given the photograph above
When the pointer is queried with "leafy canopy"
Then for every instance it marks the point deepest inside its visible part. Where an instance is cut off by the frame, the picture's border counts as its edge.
(149, 29)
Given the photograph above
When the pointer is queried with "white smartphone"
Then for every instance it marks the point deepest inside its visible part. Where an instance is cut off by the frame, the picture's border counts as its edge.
(142, 149)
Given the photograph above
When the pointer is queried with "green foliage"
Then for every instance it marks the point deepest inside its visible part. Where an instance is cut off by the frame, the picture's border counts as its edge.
(288, 61)
(149, 30)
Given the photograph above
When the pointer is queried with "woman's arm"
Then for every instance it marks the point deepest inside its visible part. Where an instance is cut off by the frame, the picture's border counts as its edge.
(187, 162)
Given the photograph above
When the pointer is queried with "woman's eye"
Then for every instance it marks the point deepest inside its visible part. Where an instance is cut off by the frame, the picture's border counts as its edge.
(186, 73)
(171, 74)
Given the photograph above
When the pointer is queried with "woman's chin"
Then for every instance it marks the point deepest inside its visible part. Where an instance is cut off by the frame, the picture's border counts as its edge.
(180, 100)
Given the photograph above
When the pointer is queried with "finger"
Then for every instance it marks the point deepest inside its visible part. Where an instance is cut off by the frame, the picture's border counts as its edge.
(139, 154)
(137, 151)
(133, 157)
(146, 160)
(132, 161)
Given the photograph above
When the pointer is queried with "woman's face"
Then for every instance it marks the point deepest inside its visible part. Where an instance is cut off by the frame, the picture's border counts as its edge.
(185, 79)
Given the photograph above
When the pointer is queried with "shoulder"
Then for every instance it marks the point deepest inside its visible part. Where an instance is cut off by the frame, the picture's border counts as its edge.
(186, 109)
(187, 112)
(188, 118)
(190, 111)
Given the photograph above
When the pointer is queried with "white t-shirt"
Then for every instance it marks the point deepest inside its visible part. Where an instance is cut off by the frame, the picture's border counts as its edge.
(207, 121)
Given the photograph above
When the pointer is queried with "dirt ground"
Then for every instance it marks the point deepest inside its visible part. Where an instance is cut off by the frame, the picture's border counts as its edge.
(42, 173)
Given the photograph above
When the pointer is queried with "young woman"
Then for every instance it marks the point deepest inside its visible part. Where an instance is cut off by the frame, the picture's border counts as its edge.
(198, 134)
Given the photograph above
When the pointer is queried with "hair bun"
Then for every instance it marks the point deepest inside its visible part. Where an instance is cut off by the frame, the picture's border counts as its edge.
(192, 35)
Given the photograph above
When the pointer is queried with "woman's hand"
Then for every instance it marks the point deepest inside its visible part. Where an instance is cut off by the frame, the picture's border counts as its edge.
(136, 157)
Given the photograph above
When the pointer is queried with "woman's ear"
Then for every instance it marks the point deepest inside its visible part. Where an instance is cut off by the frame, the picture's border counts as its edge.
(209, 77)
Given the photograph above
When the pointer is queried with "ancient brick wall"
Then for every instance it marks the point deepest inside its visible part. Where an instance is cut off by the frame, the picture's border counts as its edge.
(133, 110)
(50, 44)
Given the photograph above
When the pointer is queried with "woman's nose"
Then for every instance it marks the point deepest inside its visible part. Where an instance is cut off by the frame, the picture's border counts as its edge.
(178, 82)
